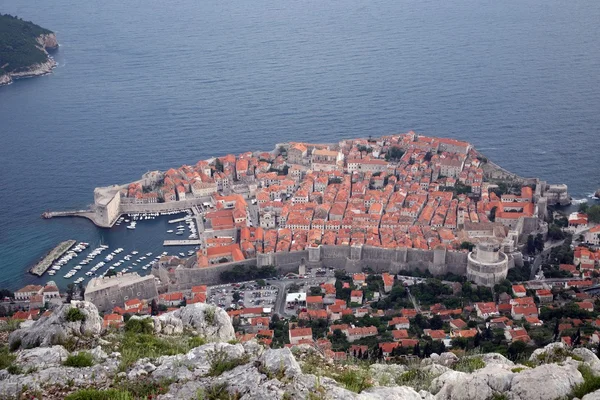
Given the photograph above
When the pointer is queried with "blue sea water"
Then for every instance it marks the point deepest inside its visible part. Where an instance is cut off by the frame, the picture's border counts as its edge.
(149, 85)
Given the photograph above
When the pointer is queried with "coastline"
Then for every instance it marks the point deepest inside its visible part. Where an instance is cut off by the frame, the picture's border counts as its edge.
(46, 42)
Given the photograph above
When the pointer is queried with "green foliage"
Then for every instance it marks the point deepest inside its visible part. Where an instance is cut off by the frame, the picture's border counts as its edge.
(75, 314)
(248, 273)
(416, 379)
(394, 153)
(499, 396)
(215, 392)
(14, 369)
(196, 341)
(134, 346)
(555, 232)
(355, 380)
(221, 362)
(516, 370)
(79, 360)
(142, 325)
(467, 246)
(519, 274)
(590, 384)
(144, 388)
(94, 394)
(209, 315)
(18, 46)
(469, 364)
(6, 357)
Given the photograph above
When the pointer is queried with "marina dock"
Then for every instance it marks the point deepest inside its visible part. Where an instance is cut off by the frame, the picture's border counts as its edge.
(42, 266)
(174, 221)
(195, 242)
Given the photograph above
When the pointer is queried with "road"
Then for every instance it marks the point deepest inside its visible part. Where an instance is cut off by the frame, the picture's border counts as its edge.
(540, 258)
(284, 283)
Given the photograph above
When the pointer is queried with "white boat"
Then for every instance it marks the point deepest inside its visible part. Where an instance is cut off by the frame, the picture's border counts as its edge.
(182, 254)
(170, 231)
(134, 252)
(179, 233)
(148, 254)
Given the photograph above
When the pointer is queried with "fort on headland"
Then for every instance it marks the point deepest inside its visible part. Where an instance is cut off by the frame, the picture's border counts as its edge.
(391, 203)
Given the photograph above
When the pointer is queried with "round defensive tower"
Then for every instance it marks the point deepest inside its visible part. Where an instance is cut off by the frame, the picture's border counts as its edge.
(487, 265)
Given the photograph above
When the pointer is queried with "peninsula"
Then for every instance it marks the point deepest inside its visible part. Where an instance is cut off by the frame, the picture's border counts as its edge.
(397, 202)
(24, 49)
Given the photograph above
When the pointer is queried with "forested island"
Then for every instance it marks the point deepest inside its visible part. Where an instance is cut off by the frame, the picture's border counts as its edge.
(23, 49)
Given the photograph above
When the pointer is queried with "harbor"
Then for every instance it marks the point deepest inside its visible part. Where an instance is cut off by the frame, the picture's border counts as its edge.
(135, 243)
(42, 266)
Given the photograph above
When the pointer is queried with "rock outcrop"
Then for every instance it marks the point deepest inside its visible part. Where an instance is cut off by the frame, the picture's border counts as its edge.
(46, 42)
(250, 371)
(57, 328)
(204, 320)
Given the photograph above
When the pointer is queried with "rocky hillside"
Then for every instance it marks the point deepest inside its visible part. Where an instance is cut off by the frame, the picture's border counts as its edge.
(190, 354)
(23, 49)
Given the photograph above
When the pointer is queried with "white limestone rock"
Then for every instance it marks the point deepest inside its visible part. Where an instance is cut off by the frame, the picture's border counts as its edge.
(207, 321)
(56, 329)
(548, 381)
(280, 362)
(42, 357)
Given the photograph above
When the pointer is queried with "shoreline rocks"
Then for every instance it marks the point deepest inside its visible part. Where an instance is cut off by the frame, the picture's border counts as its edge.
(46, 42)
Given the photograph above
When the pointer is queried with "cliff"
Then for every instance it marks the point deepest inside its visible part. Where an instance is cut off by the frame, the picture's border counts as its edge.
(190, 355)
(24, 49)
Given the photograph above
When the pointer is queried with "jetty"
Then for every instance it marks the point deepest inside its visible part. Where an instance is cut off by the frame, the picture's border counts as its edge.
(194, 242)
(54, 254)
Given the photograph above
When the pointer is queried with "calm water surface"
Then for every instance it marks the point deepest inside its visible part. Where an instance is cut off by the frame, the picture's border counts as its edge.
(149, 85)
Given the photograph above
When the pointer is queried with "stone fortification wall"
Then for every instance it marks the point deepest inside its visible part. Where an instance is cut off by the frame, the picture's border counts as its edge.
(188, 277)
(110, 297)
(352, 259)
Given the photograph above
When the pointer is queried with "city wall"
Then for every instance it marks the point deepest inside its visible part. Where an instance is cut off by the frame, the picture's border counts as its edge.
(349, 258)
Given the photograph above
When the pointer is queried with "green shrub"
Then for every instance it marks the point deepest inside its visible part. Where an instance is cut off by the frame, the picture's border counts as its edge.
(517, 369)
(220, 362)
(143, 325)
(209, 315)
(6, 357)
(196, 341)
(469, 364)
(144, 388)
(590, 384)
(215, 392)
(75, 314)
(355, 380)
(94, 394)
(499, 396)
(14, 369)
(79, 360)
(134, 346)
(415, 378)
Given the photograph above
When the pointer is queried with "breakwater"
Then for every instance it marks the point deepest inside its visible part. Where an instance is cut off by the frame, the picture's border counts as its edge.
(54, 254)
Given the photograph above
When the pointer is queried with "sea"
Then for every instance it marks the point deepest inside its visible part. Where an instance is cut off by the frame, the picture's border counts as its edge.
(145, 85)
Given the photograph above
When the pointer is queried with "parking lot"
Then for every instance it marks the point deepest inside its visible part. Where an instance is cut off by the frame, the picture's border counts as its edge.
(248, 294)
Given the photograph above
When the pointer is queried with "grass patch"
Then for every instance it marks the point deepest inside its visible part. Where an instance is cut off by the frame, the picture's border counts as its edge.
(355, 380)
(196, 341)
(415, 378)
(220, 362)
(143, 325)
(79, 360)
(499, 396)
(144, 388)
(469, 364)
(590, 384)
(517, 369)
(94, 394)
(556, 355)
(6, 357)
(75, 314)
(10, 325)
(209, 315)
(134, 346)
(216, 392)
(14, 369)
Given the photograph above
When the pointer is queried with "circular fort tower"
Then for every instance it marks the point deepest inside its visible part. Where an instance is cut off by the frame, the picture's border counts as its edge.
(487, 265)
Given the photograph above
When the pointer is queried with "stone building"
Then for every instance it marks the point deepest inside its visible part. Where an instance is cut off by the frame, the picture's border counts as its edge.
(109, 292)
(487, 265)
(107, 205)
